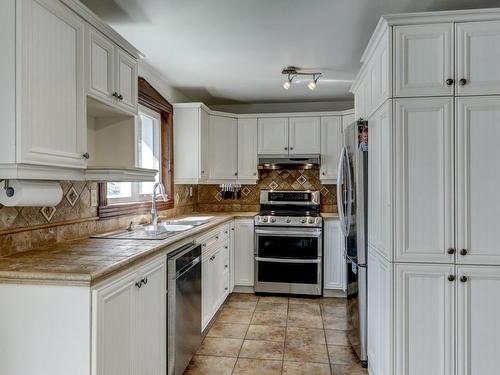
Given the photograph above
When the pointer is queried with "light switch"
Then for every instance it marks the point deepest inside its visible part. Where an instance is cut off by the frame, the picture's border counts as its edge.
(190, 191)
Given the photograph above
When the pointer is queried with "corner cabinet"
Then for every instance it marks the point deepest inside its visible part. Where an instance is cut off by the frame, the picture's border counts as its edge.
(223, 136)
(129, 323)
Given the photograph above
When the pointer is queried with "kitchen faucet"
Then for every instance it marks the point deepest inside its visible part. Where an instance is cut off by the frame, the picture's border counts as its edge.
(154, 210)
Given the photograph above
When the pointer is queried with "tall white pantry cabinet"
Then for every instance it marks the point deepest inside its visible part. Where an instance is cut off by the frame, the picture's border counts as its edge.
(430, 90)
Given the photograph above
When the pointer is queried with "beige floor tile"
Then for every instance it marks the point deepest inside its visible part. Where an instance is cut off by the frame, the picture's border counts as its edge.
(267, 333)
(305, 368)
(262, 349)
(348, 369)
(309, 301)
(246, 366)
(220, 347)
(342, 355)
(231, 315)
(307, 336)
(306, 353)
(228, 330)
(272, 306)
(241, 305)
(305, 320)
(334, 322)
(337, 310)
(242, 297)
(269, 318)
(309, 308)
(336, 337)
(329, 301)
(203, 365)
(273, 299)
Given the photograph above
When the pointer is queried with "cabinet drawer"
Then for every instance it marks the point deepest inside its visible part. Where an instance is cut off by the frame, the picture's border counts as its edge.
(210, 238)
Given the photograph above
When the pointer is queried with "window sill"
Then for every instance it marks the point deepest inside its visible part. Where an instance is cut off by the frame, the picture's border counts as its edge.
(132, 208)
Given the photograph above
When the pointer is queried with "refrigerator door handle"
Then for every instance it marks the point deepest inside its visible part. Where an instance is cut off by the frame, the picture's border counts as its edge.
(340, 191)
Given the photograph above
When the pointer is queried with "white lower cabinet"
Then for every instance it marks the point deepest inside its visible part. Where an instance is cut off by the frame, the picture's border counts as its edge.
(243, 252)
(129, 323)
(478, 309)
(334, 265)
(424, 319)
(380, 314)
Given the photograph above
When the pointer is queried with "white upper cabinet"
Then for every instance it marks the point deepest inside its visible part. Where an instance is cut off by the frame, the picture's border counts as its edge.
(331, 144)
(273, 136)
(423, 60)
(111, 73)
(424, 319)
(223, 148)
(247, 149)
(51, 103)
(333, 260)
(304, 135)
(478, 308)
(424, 180)
(478, 54)
(478, 180)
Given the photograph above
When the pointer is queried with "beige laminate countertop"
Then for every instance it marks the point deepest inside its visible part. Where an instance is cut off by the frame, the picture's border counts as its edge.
(87, 261)
(327, 215)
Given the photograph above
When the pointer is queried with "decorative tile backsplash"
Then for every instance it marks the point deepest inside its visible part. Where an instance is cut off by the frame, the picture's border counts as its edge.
(24, 228)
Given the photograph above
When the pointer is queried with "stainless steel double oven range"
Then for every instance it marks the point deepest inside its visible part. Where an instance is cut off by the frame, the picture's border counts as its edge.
(288, 243)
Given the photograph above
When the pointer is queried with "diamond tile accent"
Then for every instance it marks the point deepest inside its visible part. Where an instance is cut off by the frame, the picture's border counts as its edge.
(218, 196)
(301, 180)
(273, 185)
(245, 191)
(72, 196)
(324, 191)
(177, 197)
(48, 212)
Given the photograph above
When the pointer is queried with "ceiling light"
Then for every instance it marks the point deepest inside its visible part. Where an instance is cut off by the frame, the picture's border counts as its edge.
(293, 72)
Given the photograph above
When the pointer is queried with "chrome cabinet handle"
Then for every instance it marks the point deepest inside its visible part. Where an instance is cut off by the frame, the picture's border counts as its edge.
(86, 155)
(451, 277)
(462, 81)
(449, 81)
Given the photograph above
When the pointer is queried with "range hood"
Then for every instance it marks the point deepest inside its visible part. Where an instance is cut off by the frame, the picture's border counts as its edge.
(289, 161)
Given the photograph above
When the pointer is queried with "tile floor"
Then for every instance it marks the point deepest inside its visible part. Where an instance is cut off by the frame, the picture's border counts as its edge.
(255, 335)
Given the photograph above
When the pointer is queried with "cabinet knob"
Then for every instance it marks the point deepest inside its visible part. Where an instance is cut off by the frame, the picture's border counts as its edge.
(225, 265)
(204, 245)
(120, 97)
(225, 247)
(236, 173)
(462, 81)
(86, 155)
(463, 279)
(451, 277)
(202, 172)
(463, 252)
(255, 173)
(449, 81)
(323, 173)
(115, 94)
(225, 288)
(286, 148)
(451, 251)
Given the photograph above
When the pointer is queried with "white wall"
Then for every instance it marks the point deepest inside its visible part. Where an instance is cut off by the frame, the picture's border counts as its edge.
(284, 107)
(160, 83)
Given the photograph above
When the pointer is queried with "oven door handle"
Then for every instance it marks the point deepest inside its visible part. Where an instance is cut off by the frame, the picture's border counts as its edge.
(285, 233)
(283, 260)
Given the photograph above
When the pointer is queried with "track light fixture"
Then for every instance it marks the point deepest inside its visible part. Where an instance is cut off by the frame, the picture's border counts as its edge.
(291, 72)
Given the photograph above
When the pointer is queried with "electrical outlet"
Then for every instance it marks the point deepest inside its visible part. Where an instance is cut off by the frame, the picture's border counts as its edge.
(93, 197)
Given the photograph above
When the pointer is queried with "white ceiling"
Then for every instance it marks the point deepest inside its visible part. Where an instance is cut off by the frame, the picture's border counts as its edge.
(232, 51)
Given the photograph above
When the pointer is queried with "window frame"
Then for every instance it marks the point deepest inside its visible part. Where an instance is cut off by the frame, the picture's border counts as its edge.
(150, 98)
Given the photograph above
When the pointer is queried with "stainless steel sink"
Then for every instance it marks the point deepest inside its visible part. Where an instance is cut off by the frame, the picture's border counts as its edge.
(161, 231)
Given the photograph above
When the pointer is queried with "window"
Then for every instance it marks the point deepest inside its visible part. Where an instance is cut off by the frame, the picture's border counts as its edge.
(154, 149)
(148, 155)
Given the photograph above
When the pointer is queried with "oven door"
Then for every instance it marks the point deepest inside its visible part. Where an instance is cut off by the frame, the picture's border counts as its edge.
(288, 260)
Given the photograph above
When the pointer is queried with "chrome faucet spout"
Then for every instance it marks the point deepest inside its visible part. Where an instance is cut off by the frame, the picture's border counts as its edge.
(154, 211)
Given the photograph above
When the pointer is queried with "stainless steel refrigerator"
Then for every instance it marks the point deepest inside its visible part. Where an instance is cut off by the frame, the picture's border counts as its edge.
(352, 199)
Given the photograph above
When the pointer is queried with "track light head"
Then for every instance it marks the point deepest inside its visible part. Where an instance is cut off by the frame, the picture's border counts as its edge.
(312, 85)
(287, 84)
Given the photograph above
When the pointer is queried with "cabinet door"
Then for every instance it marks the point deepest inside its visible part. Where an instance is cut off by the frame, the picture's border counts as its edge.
(380, 318)
(114, 318)
(273, 136)
(247, 149)
(126, 80)
(380, 181)
(52, 114)
(424, 306)
(478, 53)
(151, 320)
(243, 252)
(423, 60)
(304, 136)
(331, 144)
(478, 308)
(424, 180)
(101, 62)
(204, 157)
(207, 294)
(223, 148)
(333, 258)
(478, 180)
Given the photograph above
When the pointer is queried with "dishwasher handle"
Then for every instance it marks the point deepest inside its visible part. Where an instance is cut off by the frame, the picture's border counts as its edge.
(188, 268)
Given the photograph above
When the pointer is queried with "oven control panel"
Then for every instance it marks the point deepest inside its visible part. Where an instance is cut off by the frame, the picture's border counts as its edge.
(289, 221)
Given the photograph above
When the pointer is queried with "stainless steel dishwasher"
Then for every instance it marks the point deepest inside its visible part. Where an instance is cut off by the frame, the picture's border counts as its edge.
(184, 306)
